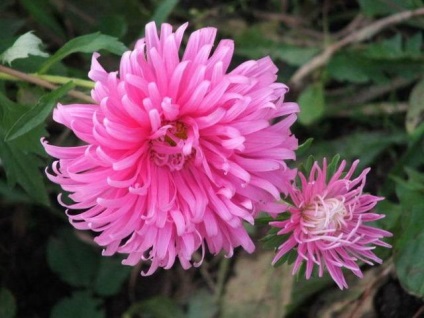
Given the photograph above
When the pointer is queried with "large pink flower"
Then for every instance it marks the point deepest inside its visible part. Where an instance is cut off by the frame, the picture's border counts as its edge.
(177, 151)
(327, 223)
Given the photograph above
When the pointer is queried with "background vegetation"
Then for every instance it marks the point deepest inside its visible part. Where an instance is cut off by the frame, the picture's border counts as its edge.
(355, 67)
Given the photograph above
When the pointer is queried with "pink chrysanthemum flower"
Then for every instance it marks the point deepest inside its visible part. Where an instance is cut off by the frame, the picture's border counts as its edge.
(178, 151)
(327, 223)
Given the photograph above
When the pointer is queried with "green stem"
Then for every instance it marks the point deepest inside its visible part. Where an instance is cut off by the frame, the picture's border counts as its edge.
(63, 80)
(37, 80)
(54, 79)
(224, 267)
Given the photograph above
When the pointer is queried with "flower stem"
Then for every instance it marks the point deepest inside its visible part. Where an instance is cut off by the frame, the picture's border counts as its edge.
(63, 80)
(46, 81)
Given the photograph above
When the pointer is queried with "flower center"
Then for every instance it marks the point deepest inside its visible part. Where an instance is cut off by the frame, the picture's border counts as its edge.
(172, 148)
(176, 133)
(325, 216)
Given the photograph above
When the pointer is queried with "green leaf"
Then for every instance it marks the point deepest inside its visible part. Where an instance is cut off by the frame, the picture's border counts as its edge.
(390, 48)
(273, 240)
(81, 305)
(202, 305)
(413, 44)
(253, 44)
(25, 45)
(415, 113)
(13, 196)
(373, 8)
(75, 262)
(295, 55)
(332, 167)
(312, 103)
(37, 114)
(82, 266)
(377, 62)
(392, 212)
(409, 244)
(415, 178)
(156, 307)
(7, 304)
(410, 265)
(396, 48)
(23, 168)
(110, 276)
(20, 157)
(306, 167)
(412, 202)
(349, 67)
(163, 11)
(364, 145)
(301, 150)
(85, 44)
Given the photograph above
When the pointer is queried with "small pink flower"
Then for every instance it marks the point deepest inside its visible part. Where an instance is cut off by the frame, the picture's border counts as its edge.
(327, 223)
(177, 151)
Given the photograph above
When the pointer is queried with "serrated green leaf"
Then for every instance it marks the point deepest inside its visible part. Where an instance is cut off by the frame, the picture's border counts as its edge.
(85, 44)
(156, 307)
(410, 265)
(37, 114)
(7, 304)
(25, 45)
(389, 48)
(163, 11)
(415, 113)
(80, 304)
(21, 156)
(396, 48)
(23, 168)
(312, 103)
(75, 262)
(110, 276)
(409, 239)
